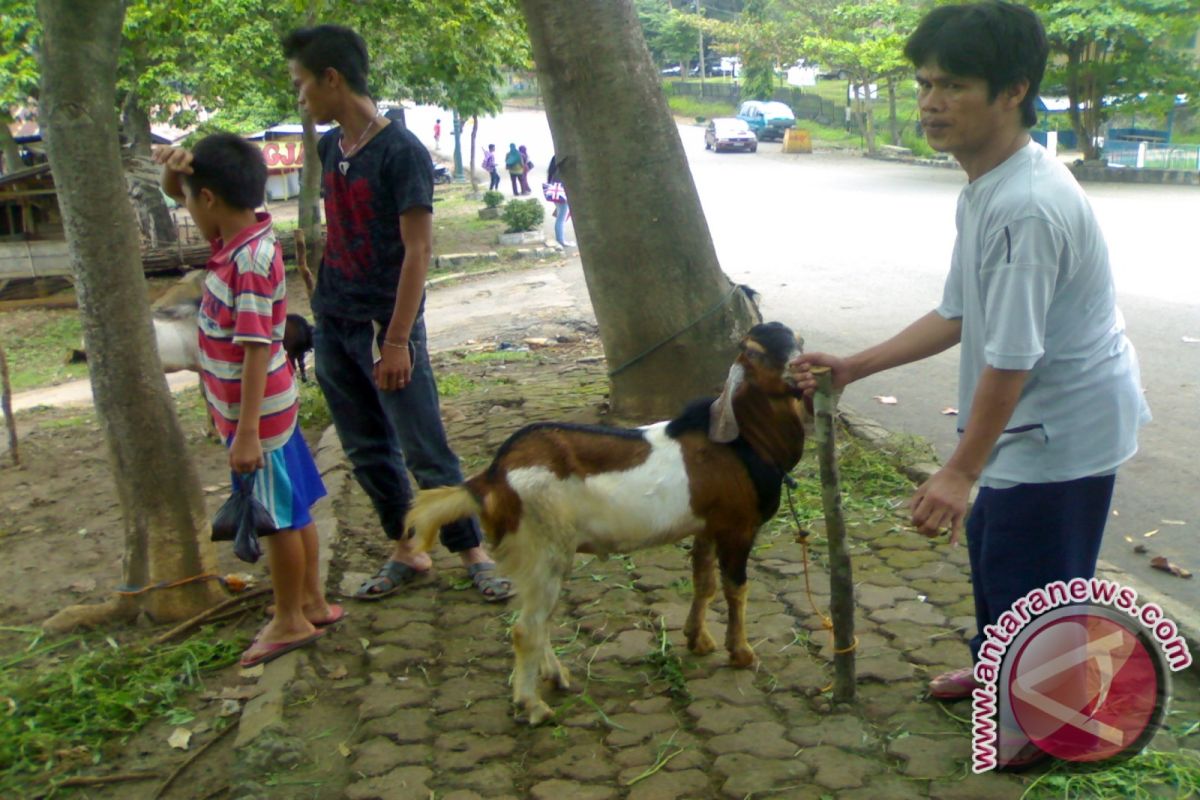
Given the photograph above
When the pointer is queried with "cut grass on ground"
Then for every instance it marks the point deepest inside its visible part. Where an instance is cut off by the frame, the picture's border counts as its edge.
(38, 344)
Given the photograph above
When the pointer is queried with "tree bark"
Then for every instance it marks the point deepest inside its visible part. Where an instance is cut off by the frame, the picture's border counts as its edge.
(10, 421)
(154, 218)
(892, 122)
(310, 196)
(669, 318)
(8, 145)
(157, 485)
(474, 138)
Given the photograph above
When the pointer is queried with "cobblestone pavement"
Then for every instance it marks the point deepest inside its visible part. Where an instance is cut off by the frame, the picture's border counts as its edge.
(426, 671)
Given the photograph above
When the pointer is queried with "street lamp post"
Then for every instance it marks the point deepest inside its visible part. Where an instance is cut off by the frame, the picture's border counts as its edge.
(458, 162)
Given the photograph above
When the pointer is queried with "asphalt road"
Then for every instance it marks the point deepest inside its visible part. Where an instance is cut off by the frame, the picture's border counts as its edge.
(848, 250)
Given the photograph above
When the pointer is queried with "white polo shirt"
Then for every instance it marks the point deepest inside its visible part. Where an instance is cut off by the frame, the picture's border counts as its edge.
(1031, 282)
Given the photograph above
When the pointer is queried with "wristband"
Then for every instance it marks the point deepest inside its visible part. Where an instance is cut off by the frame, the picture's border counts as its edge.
(397, 345)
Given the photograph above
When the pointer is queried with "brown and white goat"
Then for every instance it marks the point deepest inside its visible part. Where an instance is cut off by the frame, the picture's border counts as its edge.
(554, 490)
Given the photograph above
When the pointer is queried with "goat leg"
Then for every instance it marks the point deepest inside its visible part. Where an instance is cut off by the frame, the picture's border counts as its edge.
(733, 581)
(704, 587)
(538, 597)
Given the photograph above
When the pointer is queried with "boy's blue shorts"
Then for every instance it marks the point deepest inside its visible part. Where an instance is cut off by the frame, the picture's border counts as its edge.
(289, 483)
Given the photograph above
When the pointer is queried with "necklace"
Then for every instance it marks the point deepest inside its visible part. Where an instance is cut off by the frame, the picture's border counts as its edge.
(344, 164)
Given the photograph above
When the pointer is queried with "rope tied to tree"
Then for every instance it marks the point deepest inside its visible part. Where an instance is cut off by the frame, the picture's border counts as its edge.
(230, 582)
(650, 350)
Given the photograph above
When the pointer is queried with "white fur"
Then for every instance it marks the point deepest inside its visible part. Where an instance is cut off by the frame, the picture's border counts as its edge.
(615, 512)
(178, 343)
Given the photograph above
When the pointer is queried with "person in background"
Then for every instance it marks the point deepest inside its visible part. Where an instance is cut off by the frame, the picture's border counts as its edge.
(516, 168)
(557, 194)
(437, 134)
(526, 166)
(489, 166)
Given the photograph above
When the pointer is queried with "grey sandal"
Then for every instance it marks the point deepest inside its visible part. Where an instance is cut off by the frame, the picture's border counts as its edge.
(493, 588)
(391, 577)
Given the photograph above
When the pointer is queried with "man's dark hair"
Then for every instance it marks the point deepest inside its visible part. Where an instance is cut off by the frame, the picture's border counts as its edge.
(330, 46)
(1000, 42)
(229, 167)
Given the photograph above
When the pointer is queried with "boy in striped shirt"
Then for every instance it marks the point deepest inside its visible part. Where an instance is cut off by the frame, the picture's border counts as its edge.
(249, 384)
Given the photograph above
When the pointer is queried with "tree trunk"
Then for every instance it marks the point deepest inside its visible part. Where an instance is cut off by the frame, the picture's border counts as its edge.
(10, 421)
(154, 218)
(1074, 92)
(8, 145)
(310, 196)
(474, 138)
(669, 318)
(157, 485)
(892, 121)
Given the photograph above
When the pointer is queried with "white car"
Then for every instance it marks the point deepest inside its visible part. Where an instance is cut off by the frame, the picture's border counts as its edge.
(729, 133)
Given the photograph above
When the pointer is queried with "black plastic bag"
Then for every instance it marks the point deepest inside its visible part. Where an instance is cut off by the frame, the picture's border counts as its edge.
(242, 519)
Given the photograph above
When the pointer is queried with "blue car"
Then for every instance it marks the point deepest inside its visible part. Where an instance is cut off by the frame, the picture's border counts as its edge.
(768, 119)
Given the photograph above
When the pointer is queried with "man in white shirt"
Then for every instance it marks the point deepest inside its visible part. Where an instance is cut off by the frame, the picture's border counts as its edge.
(1049, 395)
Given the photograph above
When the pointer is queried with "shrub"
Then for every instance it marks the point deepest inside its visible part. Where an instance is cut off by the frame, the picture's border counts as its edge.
(523, 215)
(492, 198)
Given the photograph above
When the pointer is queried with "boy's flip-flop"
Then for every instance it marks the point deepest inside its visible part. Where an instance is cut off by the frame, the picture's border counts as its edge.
(490, 585)
(955, 685)
(270, 652)
(391, 577)
(336, 615)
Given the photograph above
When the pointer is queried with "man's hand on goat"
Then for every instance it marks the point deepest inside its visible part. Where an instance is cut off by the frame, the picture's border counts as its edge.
(800, 371)
(176, 159)
(246, 453)
(940, 504)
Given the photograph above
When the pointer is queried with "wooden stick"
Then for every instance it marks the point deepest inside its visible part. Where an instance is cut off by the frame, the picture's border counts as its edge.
(207, 613)
(187, 761)
(841, 581)
(98, 780)
(6, 405)
(302, 263)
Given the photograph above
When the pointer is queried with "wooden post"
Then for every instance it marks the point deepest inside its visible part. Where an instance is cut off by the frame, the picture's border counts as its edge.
(302, 262)
(6, 406)
(841, 581)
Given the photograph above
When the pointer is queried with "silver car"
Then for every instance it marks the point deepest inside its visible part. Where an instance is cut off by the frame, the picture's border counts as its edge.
(729, 133)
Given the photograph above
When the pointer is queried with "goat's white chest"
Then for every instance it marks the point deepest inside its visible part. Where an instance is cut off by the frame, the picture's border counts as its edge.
(617, 511)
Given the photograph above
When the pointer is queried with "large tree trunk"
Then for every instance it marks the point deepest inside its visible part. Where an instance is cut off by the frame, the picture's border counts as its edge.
(310, 195)
(892, 122)
(154, 218)
(158, 488)
(9, 148)
(669, 317)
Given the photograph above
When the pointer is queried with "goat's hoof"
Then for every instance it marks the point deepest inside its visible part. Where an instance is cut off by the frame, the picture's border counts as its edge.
(534, 714)
(742, 657)
(561, 679)
(701, 644)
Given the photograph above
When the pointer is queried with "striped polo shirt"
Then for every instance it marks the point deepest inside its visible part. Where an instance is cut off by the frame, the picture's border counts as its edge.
(245, 300)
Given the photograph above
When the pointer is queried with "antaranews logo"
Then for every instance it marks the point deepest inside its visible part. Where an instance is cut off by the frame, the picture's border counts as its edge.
(1077, 669)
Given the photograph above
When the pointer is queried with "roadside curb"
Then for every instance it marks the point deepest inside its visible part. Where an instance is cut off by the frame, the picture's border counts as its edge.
(1187, 619)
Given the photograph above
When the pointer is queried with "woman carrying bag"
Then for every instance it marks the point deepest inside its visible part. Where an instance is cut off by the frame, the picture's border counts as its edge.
(553, 191)
(515, 167)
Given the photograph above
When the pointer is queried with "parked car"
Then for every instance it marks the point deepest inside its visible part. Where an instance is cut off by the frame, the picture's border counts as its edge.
(729, 133)
(671, 72)
(768, 119)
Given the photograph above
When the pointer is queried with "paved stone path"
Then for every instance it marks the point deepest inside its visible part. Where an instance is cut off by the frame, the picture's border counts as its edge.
(427, 669)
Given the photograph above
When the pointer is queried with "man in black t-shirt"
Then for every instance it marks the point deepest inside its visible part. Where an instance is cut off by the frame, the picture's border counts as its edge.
(372, 362)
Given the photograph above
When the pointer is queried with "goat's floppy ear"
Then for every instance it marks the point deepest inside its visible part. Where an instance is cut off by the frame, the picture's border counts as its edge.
(722, 425)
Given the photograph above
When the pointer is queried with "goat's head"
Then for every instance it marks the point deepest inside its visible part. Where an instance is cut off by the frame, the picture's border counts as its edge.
(762, 363)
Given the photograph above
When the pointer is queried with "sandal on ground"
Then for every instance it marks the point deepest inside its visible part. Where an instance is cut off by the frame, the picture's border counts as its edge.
(954, 685)
(391, 577)
(261, 653)
(490, 585)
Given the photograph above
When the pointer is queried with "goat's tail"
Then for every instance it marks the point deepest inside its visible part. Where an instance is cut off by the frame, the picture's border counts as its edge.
(434, 508)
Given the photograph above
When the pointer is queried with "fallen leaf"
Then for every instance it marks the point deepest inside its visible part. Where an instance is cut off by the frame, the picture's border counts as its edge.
(229, 708)
(886, 399)
(253, 672)
(1148, 534)
(366, 643)
(1191, 340)
(1129, 539)
(213, 488)
(83, 586)
(1116, 513)
(338, 672)
(1172, 522)
(180, 738)
(1160, 562)
(949, 411)
(343, 749)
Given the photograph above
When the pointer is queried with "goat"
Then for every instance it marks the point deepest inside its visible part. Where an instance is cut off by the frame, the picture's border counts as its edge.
(553, 490)
(297, 340)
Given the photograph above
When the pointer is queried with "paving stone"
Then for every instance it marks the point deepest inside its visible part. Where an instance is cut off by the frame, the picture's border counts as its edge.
(941, 570)
(942, 592)
(734, 686)
(404, 783)
(931, 758)
(909, 611)
(964, 624)
(466, 691)
(745, 775)
(671, 786)
(903, 540)
(651, 705)
(777, 628)
(880, 701)
(908, 635)
(629, 647)
(919, 718)
(462, 750)
(635, 728)
(899, 559)
(588, 763)
(870, 643)
(417, 635)
(886, 667)
(379, 702)
(761, 739)
(837, 769)
(453, 617)
(840, 730)
(560, 790)
(650, 578)
(717, 717)
(406, 726)
(885, 787)
(489, 779)
(801, 673)
(944, 654)
(377, 756)
(672, 614)
(985, 786)
(874, 597)
(395, 659)
(486, 716)
(389, 619)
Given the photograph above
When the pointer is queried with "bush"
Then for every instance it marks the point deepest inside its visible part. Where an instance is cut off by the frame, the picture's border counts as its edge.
(492, 198)
(523, 215)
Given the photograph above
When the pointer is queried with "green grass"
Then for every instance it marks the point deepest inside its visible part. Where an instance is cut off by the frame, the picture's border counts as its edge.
(668, 666)
(452, 384)
(700, 110)
(1149, 774)
(457, 227)
(314, 411)
(67, 714)
(497, 356)
(38, 356)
